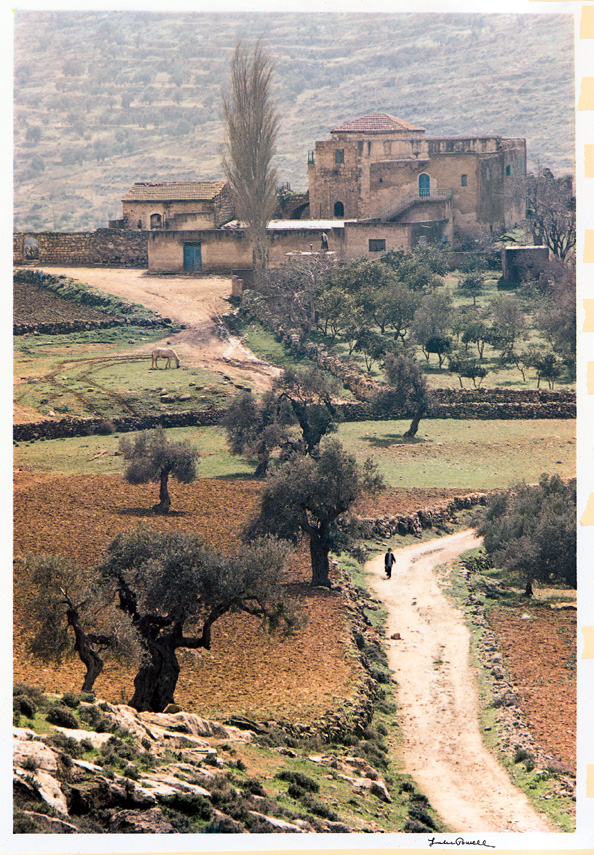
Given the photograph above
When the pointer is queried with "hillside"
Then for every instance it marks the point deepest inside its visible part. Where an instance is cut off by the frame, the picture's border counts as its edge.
(103, 99)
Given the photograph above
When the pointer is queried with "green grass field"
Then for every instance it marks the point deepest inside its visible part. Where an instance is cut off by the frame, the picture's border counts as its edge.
(450, 453)
(86, 374)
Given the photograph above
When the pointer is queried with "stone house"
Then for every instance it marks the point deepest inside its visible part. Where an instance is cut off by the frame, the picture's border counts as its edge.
(176, 205)
(381, 168)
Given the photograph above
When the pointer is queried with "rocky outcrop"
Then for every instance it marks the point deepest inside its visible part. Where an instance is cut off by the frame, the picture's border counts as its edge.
(171, 776)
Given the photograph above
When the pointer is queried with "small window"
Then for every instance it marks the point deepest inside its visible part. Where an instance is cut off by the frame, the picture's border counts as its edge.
(338, 209)
(377, 244)
(156, 221)
(339, 155)
(464, 180)
(360, 146)
(509, 170)
(488, 173)
(368, 146)
(521, 166)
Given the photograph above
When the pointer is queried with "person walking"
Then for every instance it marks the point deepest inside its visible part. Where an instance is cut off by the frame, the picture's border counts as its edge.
(389, 561)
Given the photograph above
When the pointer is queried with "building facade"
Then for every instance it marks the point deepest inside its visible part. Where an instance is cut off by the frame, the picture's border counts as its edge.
(176, 205)
(379, 167)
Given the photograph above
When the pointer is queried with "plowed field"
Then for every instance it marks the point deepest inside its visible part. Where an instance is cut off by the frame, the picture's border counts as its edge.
(35, 305)
(538, 645)
(246, 672)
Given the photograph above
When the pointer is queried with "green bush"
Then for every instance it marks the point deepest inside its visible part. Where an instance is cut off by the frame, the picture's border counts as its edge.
(25, 705)
(304, 781)
(62, 717)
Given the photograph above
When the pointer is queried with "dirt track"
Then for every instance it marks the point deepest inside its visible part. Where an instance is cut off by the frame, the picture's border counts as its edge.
(437, 696)
(197, 302)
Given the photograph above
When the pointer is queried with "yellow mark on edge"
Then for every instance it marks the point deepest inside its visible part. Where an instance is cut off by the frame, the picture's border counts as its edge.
(588, 651)
(586, 101)
(590, 782)
(587, 23)
(589, 156)
(587, 517)
(589, 316)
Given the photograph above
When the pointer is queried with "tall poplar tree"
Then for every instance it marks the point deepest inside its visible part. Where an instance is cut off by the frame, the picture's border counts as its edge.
(251, 124)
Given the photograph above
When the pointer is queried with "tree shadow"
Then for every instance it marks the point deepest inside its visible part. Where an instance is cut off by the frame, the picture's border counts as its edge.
(392, 439)
(149, 512)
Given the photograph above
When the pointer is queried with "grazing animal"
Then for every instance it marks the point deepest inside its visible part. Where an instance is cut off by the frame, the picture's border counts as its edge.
(164, 353)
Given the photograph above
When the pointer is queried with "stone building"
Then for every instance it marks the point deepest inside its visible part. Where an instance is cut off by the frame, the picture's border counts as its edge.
(176, 205)
(381, 168)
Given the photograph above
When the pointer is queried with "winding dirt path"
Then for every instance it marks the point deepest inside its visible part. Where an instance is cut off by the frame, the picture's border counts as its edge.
(196, 302)
(437, 695)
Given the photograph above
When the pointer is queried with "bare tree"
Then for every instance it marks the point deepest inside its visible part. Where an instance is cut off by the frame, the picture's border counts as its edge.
(251, 124)
(551, 212)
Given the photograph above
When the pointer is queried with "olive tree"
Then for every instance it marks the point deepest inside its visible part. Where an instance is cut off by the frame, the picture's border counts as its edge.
(407, 392)
(173, 589)
(311, 496)
(292, 417)
(72, 614)
(153, 457)
(532, 529)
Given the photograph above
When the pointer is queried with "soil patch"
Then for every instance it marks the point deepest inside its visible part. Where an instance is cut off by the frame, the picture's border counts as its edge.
(247, 672)
(538, 645)
(35, 305)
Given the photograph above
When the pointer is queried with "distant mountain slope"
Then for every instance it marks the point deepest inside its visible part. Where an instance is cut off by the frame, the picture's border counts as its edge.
(103, 99)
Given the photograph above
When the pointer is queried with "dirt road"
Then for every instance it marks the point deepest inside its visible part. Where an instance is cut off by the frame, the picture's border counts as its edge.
(437, 696)
(197, 302)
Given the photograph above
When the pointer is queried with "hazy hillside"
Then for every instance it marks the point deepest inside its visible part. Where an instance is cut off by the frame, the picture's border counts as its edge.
(103, 99)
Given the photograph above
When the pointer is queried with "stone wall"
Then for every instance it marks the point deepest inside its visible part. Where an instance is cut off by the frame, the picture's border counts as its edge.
(69, 427)
(101, 248)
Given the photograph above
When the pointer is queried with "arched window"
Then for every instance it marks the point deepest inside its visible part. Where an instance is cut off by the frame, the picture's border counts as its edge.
(338, 209)
(156, 221)
(424, 189)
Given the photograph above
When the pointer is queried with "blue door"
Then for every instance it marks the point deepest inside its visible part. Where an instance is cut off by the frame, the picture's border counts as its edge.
(424, 185)
(192, 256)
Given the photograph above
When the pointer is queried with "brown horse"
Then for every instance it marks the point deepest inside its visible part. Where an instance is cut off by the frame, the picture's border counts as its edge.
(164, 353)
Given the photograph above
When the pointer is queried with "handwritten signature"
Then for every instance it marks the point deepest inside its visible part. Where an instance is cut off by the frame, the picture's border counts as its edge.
(459, 841)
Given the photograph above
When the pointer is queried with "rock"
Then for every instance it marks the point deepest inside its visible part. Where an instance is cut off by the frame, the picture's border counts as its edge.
(49, 790)
(144, 822)
(278, 824)
(96, 739)
(51, 824)
(34, 755)
(165, 785)
(102, 793)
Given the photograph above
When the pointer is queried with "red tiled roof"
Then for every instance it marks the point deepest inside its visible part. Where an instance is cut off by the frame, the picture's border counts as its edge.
(376, 123)
(170, 191)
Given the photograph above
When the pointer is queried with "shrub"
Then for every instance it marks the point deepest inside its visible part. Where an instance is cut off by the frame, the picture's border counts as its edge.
(71, 700)
(24, 705)
(196, 806)
(104, 428)
(303, 781)
(253, 786)
(318, 808)
(420, 814)
(67, 745)
(62, 717)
